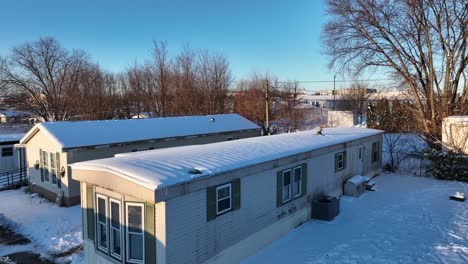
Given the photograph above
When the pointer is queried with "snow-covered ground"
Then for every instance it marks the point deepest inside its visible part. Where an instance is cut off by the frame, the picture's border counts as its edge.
(406, 220)
(51, 229)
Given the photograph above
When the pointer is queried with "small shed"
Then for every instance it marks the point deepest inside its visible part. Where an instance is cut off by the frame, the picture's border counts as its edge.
(355, 186)
(9, 158)
(342, 118)
(455, 134)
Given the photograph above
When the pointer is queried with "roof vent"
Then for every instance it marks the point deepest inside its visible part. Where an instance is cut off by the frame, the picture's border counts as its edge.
(195, 171)
(212, 119)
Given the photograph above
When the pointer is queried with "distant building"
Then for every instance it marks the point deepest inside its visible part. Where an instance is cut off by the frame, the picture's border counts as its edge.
(52, 146)
(15, 116)
(455, 133)
(342, 118)
(215, 203)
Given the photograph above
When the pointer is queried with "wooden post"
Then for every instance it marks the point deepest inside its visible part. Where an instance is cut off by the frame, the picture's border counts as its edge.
(267, 107)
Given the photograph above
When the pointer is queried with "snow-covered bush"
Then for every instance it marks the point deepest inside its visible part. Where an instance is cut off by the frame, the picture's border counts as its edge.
(447, 165)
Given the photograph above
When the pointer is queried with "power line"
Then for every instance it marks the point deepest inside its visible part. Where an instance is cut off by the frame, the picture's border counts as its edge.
(323, 81)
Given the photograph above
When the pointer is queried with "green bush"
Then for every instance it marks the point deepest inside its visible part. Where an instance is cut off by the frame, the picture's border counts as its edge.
(447, 165)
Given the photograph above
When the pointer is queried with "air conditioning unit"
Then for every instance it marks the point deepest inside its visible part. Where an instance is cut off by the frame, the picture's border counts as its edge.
(355, 186)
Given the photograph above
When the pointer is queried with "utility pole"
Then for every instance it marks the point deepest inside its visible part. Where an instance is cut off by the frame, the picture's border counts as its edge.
(267, 107)
(334, 92)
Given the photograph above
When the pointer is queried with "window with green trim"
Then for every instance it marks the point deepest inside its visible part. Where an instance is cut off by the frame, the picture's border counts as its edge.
(286, 186)
(101, 220)
(223, 198)
(135, 233)
(291, 184)
(297, 182)
(340, 161)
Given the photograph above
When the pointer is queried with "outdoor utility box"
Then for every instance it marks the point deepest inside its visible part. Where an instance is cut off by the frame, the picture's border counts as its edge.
(355, 186)
(325, 208)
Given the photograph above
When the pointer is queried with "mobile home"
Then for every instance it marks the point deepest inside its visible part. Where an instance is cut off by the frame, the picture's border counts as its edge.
(51, 146)
(215, 203)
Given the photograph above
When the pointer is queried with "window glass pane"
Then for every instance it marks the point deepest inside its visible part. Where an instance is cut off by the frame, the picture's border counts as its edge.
(52, 160)
(224, 204)
(297, 181)
(223, 192)
(134, 218)
(297, 188)
(116, 238)
(115, 215)
(46, 174)
(135, 244)
(45, 161)
(103, 235)
(102, 210)
(297, 174)
(286, 178)
(285, 193)
(54, 177)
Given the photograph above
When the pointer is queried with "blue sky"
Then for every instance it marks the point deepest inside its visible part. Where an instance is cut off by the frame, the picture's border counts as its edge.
(276, 36)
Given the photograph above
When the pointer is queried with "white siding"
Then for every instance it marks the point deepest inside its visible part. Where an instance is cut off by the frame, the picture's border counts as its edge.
(191, 239)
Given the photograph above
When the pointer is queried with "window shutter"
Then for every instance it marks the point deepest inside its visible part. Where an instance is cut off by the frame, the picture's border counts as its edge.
(90, 212)
(344, 159)
(279, 181)
(57, 169)
(40, 165)
(236, 194)
(336, 162)
(379, 149)
(304, 179)
(374, 145)
(150, 242)
(211, 203)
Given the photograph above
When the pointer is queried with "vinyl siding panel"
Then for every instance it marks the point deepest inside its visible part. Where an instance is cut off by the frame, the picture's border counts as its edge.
(191, 238)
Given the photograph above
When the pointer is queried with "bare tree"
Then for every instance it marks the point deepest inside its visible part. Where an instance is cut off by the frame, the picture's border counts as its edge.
(249, 100)
(290, 116)
(421, 42)
(214, 79)
(355, 99)
(188, 98)
(163, 78)
(41, 75)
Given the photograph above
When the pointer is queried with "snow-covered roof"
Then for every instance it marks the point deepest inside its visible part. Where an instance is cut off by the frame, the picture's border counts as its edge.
(11, 137)
(457, 118)
(160, 168)
(13, 113)
(74, 134)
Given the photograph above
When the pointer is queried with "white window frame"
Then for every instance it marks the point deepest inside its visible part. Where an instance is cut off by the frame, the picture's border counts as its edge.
(127, 232)
(290, 186)
(300, 182)
(45, 165)
(111, 234)
(98, 231)
(341, 154)
(52, 165)
(228, 197)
